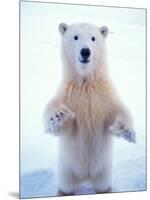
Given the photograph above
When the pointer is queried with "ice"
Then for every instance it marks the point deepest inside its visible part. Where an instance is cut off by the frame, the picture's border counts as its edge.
(41, 75)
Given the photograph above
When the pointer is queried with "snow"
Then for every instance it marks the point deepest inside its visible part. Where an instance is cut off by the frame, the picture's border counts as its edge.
(40, 77)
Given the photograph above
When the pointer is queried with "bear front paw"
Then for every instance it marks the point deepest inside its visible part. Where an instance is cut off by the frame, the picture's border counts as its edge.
(57, 119)
(129, 135)
(123, 131)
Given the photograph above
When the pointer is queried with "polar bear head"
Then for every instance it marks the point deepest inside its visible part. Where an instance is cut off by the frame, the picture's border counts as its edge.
(83, 46)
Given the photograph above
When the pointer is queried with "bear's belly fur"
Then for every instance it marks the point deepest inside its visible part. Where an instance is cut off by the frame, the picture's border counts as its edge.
(85, 156)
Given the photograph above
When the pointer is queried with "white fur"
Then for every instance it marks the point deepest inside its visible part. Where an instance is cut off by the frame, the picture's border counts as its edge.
(85, 32)
(82, 158)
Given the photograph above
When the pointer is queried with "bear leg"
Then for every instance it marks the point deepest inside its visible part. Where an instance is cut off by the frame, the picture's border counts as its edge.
(102, 182)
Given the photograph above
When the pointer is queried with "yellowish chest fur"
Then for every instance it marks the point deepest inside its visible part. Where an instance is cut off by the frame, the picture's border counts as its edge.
(91, 103)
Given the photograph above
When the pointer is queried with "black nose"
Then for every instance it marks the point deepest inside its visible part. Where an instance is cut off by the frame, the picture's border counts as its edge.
(85, 53)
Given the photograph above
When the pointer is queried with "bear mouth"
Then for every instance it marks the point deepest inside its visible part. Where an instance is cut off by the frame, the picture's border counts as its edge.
(84, 61)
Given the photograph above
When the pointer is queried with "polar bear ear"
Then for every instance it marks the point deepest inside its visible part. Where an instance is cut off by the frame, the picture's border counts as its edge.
(63, 28)
(104, 31)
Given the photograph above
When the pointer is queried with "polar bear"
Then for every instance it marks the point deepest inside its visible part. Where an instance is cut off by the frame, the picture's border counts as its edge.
(86, 110)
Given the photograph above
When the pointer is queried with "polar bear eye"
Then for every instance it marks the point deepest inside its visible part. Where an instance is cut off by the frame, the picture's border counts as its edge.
(93, 39)
(76, 37)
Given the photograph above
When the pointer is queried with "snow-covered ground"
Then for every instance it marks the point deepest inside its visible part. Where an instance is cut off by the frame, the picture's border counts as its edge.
(40, 77)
